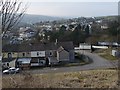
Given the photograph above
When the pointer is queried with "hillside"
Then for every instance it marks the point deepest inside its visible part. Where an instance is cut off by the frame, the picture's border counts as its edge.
(29, 18)
(82, 79)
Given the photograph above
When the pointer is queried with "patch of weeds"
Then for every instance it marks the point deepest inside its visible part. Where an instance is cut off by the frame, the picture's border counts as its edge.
(102, 79)
(108, 57)
(80, 77)
(95, 76)
(87, 85)
(75, 80)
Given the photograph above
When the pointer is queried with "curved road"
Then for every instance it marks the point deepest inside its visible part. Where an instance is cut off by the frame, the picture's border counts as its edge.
(98, 63)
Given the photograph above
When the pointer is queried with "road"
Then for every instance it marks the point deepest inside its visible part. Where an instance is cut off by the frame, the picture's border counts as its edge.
(98, 63)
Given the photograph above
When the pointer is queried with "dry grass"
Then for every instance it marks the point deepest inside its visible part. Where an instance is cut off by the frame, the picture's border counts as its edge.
(83, 79)
(106, 53)
(108, 57)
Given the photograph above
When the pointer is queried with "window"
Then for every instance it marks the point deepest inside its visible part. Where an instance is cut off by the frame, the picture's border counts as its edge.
(37, 53)
(50, 53)
(23, 54)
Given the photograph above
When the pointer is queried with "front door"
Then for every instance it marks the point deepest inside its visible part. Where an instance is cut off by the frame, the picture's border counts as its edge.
(9, 55)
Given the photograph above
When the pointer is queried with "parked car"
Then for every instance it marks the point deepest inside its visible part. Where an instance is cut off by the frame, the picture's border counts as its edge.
(11, 70)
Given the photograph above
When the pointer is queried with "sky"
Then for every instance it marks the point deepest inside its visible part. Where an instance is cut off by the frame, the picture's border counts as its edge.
(73, 8)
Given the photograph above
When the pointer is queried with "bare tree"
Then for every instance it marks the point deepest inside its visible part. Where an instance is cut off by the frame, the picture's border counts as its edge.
(11, 13)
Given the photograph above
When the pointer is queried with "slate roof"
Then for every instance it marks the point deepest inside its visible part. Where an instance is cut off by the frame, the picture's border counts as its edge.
(16, 48)
(37, 47)
(65, 45)
(61, 49)
(7, 59)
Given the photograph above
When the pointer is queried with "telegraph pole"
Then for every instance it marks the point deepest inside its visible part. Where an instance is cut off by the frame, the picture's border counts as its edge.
(118, 83)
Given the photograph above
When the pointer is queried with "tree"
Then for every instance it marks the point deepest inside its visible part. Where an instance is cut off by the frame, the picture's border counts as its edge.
(87, 30)
(62, 29)
(77, 35)
(78, 27)
(93, 39)
(113, 26)
(11, 14)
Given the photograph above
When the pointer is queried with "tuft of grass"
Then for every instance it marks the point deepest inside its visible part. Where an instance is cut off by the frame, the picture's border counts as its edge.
(74, 64)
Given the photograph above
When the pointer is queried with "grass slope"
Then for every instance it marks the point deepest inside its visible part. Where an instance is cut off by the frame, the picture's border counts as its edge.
(82, 79)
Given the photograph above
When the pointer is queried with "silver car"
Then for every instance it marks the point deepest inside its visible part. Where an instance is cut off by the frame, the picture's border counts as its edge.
(11, 70)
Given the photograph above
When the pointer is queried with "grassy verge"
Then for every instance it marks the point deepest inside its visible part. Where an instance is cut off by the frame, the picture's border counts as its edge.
(74, 64)
(106, 53)
(82, 58)
(108, 57)
(83, 79)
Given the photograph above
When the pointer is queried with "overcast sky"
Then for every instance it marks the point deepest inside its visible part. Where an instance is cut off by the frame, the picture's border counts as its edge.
(77, 8)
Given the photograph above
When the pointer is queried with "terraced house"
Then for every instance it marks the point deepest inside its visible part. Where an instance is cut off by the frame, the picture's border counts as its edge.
(37, 54)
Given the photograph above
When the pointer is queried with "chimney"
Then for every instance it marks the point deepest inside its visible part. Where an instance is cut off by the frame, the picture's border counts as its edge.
(56, 41)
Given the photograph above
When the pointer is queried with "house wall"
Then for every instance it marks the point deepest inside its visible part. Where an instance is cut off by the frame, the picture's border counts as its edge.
(9, 64)
(115, 53)
(26, 54)
(5, 55)
(63, 56)
(14, 55)
(20, 54)
(5, 65)
(84, 46)
(12, 63)
(50, 53)
(58, 55)
(38, 54)
(72, 55)
(38, 61)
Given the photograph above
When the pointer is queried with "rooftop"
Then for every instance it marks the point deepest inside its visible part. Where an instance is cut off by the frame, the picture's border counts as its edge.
(37, 47)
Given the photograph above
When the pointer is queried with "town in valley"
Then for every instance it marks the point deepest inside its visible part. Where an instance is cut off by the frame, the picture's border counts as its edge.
(71, 52)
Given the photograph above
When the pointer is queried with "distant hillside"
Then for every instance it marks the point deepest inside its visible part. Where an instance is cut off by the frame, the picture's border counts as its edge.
(114, 17)
(28, 18)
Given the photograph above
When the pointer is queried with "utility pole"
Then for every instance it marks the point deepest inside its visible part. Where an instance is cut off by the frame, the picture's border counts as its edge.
(117, 40)
(117, 36)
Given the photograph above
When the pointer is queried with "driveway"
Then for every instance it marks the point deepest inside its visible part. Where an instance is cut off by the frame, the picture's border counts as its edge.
(98, 63)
